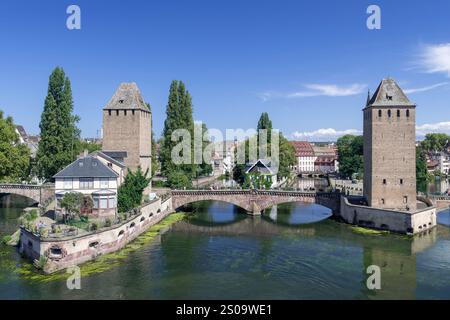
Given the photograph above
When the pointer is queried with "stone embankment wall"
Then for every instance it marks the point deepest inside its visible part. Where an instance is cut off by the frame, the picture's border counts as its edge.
(396, 221)
(65, 252)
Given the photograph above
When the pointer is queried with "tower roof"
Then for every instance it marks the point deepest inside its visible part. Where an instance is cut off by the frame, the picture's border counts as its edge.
(389, 94)
(127, 96)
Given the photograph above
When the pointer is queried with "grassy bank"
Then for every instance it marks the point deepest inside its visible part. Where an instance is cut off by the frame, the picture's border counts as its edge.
(104, 262)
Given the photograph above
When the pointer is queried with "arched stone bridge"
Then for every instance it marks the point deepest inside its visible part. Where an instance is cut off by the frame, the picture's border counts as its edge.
(38, 193)
(255, 201)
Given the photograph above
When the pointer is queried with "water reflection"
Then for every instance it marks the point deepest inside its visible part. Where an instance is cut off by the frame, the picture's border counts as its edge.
(297, 213)
(444, 218)
(220, 252)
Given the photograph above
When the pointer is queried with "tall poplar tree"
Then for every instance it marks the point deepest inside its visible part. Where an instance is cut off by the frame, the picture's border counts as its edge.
(59, 133)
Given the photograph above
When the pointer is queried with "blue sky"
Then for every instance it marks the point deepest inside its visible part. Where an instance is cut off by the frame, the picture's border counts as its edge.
(308, 64)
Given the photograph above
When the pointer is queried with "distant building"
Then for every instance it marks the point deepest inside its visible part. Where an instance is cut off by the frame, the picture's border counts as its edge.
(127, 127)
(261, 169)
(32, 142)
(304, 153)
(90, 176)
(441, 162)
(326, 164)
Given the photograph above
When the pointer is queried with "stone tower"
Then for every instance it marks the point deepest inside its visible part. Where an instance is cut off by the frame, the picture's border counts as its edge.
(127, 127)
(389, 149)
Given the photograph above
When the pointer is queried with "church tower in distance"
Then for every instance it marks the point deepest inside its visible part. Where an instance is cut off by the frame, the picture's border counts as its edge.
(389, 149)
(127, 127)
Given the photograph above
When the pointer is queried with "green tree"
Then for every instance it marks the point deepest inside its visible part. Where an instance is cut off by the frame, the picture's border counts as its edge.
(286, 155)
(204, 169)
(59, 133)
(179, 115)
(435, 142)
(178, 179)
(422, 176)
(130, 193)
(72, 202)
(82, 145)
(155, 162)
(350, 150)
(14, 156)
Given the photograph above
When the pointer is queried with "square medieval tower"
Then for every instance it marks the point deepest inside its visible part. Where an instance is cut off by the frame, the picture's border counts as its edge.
(127, 127)
(389, 149)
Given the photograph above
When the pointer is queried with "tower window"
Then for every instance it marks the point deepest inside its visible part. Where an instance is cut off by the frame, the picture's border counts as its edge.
(382, 201)
(405, 199)
(132, 112)
(384, 181)
(389, 113)
(109, 112)
(401, 181)
(124, 112)
(407, 113)
(117, 112)
(121, 101)
(398, 113)
(379, 113)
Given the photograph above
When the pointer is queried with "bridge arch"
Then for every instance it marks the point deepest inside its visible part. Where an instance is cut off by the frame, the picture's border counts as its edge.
(255, 201)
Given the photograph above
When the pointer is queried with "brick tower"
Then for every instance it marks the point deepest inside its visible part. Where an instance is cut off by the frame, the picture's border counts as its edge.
(127, 127)
(389, 149)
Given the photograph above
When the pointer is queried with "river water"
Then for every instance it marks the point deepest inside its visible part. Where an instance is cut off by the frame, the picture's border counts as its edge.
(218, 252)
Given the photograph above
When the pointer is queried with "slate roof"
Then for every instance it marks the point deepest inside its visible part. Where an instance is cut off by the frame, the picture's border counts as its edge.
(389, 94)
(260, 166)
(22, 132)
(127, 96)
(87, 167)
(112, 160)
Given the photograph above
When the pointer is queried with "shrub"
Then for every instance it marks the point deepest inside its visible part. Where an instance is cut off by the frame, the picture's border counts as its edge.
(94, 226)
(6, 239)
(108, 222)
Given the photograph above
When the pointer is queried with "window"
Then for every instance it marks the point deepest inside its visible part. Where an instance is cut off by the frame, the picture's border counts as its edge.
(109, 112)
(96, 203)
(124, 112)
(112, 202)
(389, 113)
(407, 113)
(132, 112)
(68, 183)
(384, 181)
(401, 181)
(405, 199)
(86, 183)
(382, 201)
(379, 113)
(104, 183)
(103, 203)
(117, 112)
(398, 113)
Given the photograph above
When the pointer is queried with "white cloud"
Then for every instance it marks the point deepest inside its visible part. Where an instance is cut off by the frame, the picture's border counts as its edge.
(434, 86)
(324, 134)
(440, 127)
(316, 90)
(436, 58)
(333, 134)
(329, 90)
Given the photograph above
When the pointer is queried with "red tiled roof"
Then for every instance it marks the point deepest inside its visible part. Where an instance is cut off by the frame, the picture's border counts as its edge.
(302, 148)
(324, 160)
